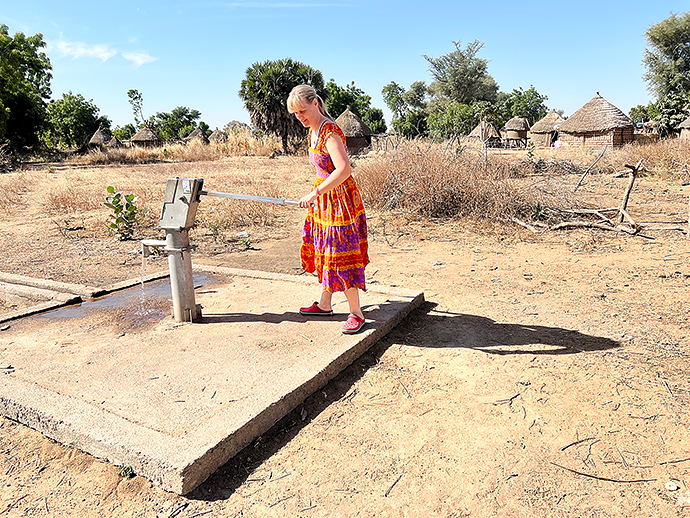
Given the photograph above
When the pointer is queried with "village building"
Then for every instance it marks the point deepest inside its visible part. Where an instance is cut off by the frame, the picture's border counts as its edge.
(487, 134)
(684, 128)
(596, 125)
(99, 138)
(515, 132)
(544, 132)
(357, 133)
(198, 136)
(145, 137)
(114, 143)
(217, 137)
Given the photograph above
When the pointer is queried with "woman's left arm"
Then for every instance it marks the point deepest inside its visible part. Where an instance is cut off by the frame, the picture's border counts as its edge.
(336, 148)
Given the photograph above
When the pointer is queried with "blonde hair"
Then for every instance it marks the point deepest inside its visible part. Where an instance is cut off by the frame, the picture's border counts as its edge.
(305, 94)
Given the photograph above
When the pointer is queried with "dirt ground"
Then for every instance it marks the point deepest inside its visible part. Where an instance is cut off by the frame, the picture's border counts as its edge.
(546, 375)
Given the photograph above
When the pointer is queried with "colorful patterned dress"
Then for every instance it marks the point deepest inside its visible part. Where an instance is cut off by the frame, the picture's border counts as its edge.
(334, 239)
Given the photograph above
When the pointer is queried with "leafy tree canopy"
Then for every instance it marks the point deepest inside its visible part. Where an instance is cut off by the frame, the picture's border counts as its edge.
(176, 124)
(528, 104)
(667, 57)
(125, 132)
(338, 99)
(72, 120)
(409, 108)
(642, 113)
(25, 74)
(461, 76)
(672, 110)
(136, 99)
(265, 90)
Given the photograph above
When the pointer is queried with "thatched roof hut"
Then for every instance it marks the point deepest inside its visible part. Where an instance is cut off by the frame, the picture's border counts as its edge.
(487, 134)
(684, 128)
(357, 133)
(217, 137)
(515, 131)
(114, 143)
(197, 135)
(145, 137)
(544, 132)
(100, 137)
(597, 124)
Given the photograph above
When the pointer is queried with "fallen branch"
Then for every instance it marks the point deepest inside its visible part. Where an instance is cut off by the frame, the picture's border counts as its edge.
(589, 168)
(604, 478)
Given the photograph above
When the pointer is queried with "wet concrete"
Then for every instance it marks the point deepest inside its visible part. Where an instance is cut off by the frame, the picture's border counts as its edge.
(118, 378)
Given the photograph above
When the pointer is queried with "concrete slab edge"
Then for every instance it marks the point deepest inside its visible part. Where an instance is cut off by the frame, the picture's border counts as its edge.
(210, 449)
(40, 308)
(80, 425)
(46, 284)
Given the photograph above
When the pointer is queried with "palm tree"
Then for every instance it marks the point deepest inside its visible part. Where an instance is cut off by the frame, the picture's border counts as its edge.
(265, 91)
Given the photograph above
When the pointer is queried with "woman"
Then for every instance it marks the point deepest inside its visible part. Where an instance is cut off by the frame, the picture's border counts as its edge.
(334, 239)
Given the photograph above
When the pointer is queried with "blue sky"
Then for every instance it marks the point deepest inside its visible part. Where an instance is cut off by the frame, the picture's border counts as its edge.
(195, 54)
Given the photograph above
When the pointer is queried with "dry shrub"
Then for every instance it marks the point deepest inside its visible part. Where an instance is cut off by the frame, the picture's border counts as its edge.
(12, 187)
(667, 159)
(434, 181)
(239, 143)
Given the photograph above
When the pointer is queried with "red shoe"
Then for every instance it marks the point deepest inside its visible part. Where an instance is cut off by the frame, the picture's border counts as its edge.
(315, 310)
(353, 325)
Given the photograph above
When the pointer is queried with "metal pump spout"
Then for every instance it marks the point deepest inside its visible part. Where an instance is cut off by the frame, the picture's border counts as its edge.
(177, 217)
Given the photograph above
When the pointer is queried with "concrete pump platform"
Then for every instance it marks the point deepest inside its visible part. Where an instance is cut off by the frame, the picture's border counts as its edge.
(118, 378)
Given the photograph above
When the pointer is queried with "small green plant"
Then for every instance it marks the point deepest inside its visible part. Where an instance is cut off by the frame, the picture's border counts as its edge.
(530, 149)
(123, 217)
(246, 243)
(127, 472)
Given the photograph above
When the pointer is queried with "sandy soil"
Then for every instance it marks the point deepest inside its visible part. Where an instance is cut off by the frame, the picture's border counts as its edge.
(545, 376)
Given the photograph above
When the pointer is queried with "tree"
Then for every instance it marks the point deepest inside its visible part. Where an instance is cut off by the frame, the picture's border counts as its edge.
(667, 58)
(409, 108)
(528, 104)
(72, 120)
(136, 99)
(453, 120)
(176, 124)
(125, 132)
(24, 88)
(672, 110)
(461, 76)
(642, 113)
(338, 99)
(265, 90)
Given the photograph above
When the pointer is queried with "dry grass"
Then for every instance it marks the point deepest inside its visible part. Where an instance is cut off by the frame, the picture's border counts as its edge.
(437, 181)
(423, 182)
(12, 188)
(239, 143)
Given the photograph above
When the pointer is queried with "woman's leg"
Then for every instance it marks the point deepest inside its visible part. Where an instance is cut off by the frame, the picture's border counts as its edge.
(352, 296)
(325, 302)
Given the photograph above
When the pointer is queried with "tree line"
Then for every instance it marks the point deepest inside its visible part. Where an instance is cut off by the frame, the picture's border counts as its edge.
(461, 92)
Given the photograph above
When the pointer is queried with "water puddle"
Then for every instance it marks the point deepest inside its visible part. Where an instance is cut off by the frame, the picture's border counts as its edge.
(141, 303)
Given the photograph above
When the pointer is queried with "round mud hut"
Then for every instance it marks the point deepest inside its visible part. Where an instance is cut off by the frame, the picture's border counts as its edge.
(684, 128)
(596, 125)
(357, 133)
(114, 143)
(217, 137)
(99, 138)
(487, 134)
(545, 131)
(515, 132)
(197, 135)
(145, 137)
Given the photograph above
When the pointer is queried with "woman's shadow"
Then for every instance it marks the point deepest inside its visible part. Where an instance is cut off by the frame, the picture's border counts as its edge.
(424, 327)
(433, 328)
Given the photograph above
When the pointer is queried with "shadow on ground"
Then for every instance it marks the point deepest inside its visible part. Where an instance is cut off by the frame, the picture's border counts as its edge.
(423, 327)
